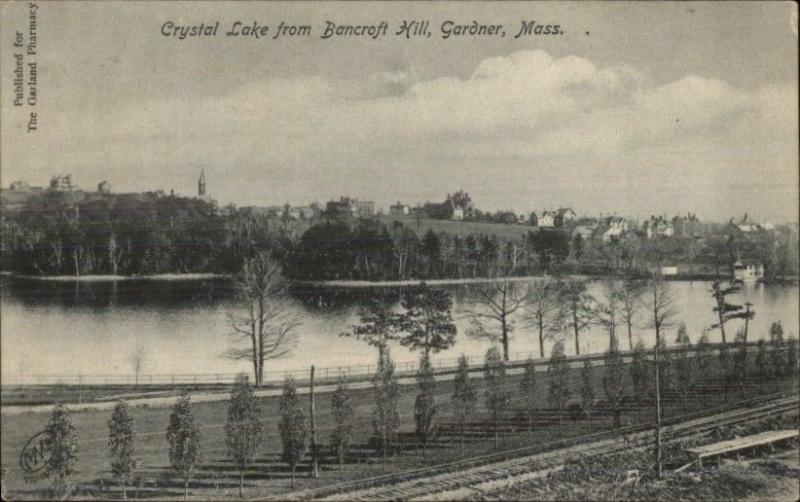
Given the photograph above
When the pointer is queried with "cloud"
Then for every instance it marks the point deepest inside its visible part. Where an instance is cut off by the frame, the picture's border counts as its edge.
(522, 115)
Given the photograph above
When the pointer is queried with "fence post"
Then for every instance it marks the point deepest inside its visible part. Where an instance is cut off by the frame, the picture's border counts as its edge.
(315, 470)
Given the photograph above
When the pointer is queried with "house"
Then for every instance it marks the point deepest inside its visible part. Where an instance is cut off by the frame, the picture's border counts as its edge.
(564, 217)
(745, 226)
(507, 217)
(365, 208)
(669, 270)
(447, 210)
(19, 186)
(104, 187)
(460, 200)
(275, 211)
(613, 234)
(547, 220)
(18, 194)
(658, 227)
(617, 226)
(687, 226)
(62, 183)
(748, 271)
(346, 206)
(399, 210)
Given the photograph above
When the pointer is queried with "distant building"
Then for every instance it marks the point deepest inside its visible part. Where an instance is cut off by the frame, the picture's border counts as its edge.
(365, 208)
(17, 194)
(62, 183)
(457, 213)
(748, 270)
(564, 217)
(687, 226)
(746, 226)
(613, 234)
(547, 220)
(615, 228)
(104, 187)
(19, 186)
(346, 206)
(658, 227)
(399, 210)
(301, 213)
(507, 217)
(201, 184)
(669, 270)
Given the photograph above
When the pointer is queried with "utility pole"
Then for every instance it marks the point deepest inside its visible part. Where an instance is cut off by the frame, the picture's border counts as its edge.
(747, 317)
(658, 412)
(315, 465)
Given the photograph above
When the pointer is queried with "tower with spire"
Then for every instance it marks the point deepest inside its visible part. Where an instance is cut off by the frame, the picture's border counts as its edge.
(201, 184)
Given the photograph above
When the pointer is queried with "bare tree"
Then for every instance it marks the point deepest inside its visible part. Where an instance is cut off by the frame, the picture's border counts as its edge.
(609, 313)
(138, 360)
(541, 310)
(405, 244)
(267, 324)
(579, 307)
(491, 316)
(630, 295)
(659, 300)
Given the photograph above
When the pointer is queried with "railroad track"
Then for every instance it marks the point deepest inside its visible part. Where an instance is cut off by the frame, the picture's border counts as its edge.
(464, 478)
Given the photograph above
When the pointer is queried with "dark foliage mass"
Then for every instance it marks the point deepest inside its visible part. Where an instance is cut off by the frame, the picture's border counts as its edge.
(72, 233)
(132, 234)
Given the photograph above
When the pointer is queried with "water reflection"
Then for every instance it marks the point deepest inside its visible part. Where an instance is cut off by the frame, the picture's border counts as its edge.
(94, 327)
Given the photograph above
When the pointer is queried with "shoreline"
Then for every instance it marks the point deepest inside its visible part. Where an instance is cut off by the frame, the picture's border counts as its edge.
(116, 278)
(348, 283)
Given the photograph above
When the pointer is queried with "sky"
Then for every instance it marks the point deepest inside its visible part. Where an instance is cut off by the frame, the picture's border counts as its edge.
(636, 109)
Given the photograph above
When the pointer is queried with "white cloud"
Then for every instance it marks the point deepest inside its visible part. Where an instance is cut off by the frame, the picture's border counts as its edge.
(513, 114)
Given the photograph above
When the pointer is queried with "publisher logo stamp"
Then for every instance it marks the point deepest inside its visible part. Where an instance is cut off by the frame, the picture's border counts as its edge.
(37, 452)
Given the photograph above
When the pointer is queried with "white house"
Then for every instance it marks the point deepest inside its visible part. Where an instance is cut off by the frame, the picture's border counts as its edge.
(669, 270)
(658, 227)
(748, 270)
(613, 233)
(547, 219)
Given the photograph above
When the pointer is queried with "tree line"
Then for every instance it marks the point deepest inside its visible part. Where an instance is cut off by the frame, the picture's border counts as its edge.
(144, 234)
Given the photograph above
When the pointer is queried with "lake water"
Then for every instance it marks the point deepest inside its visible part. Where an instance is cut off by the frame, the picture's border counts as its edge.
(94, 328)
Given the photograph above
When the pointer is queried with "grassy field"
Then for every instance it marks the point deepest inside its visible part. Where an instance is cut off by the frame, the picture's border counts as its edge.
(218, 479)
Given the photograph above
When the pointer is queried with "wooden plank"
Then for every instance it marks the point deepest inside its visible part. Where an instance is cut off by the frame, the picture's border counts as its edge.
(737, 444)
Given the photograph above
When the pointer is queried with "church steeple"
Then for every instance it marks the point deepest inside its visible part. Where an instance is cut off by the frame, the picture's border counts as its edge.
(201, 184)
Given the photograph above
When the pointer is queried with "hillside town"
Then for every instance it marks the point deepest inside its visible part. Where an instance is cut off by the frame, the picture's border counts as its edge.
(685, 237)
